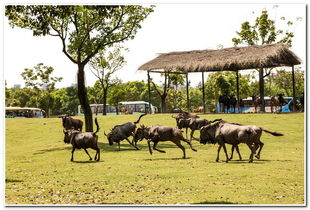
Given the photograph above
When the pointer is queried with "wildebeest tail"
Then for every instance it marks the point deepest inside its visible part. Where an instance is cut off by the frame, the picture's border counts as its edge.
(139, 118)
(96, 122)
(273, 133)
(215, 120)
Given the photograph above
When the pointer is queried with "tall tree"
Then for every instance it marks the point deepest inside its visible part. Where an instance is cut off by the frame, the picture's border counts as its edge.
(83, 31)
(262, 32)
(40, 79)
(104, 65)
(170, 80)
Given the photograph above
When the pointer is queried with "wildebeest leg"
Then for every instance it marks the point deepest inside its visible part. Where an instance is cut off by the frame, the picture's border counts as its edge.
(261, 144)
(218, 153)
(88, 154)
(97, 156)
(252, 148)
(186, 131)
(149, 144)
(132, 144)
(178, 143)
(189, 143)
(191, 135)
(119, 145)
(154, 147)
(237, 149)
(232, 152)
(73, 148)
(224, 147)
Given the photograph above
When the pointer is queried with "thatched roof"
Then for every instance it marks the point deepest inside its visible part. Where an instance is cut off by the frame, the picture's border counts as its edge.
(228, 59)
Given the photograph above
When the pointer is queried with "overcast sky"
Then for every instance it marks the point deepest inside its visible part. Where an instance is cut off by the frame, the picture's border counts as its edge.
(171, 27)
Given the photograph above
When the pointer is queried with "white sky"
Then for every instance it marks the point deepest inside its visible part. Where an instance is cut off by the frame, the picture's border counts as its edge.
(172, 27)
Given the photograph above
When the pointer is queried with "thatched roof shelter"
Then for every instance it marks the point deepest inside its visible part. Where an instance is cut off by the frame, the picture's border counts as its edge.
(228, 59)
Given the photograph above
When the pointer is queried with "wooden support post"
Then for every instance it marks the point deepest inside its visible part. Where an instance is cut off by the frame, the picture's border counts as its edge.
(293, 80)
(149, 91)
(237, 84)
(187, 94)
(262, 89)
(203, 93)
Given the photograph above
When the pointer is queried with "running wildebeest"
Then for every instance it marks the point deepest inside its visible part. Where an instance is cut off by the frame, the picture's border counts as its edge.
(223, 132)
(121, 132)
(181, 120)
(159, 133)
(83, 140)
(69, 122)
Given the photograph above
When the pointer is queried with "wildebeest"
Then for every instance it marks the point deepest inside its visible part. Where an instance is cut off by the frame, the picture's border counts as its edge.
(256, 101)
(223, 132)
(274, 103)
(233, 102)
(158, 133)
(184, 123)
(195, 124)
(69, 122)
(121, 132)
(224, 100)
(83, 140)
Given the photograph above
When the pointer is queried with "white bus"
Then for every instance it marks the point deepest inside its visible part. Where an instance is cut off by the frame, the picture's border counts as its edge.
(136, 107)
(23, 112)
(99, 108)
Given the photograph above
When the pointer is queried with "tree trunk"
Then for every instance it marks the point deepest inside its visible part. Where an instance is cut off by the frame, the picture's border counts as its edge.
(163, 103)
(83, 98)
(105, 93)
(261, 89)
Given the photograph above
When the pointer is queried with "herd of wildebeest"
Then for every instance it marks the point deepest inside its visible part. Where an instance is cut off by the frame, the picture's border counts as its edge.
(211, 132)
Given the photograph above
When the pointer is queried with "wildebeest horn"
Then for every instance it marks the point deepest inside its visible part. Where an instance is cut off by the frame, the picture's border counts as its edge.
(105, 133)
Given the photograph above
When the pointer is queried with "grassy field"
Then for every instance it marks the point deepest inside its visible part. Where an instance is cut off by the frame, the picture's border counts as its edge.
(39, 171)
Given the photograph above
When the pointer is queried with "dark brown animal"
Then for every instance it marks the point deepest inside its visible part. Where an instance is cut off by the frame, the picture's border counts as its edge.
(159, 133)
(223, 132)
(83, 140)
(256, 102)
(69, 123)
(274, 104)
(121, 132)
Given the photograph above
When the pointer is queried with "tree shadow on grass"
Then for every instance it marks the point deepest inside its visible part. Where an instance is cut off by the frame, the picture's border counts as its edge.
(12, 180)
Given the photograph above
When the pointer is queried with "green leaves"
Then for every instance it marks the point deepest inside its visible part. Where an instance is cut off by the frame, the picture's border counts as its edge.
(263, 31)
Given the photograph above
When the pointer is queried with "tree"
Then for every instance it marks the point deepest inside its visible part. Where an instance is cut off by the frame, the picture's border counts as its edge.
(169, 81)
(262, 32)
(104, 65)
(40, 79)
(117, 94)
(83, 31)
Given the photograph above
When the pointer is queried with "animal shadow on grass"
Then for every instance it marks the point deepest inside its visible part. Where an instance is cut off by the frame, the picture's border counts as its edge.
(13, 180)
(179, 158)
(42, 151)
(87, 161)
(214, 202)
(125, 146)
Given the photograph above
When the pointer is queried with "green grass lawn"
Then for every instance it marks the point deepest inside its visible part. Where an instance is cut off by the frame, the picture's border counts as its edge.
(39, 171)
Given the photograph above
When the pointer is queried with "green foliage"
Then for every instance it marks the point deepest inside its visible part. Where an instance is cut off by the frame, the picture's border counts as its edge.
(83, 30)
(40, 77)
(38, 170)
(263, 31)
